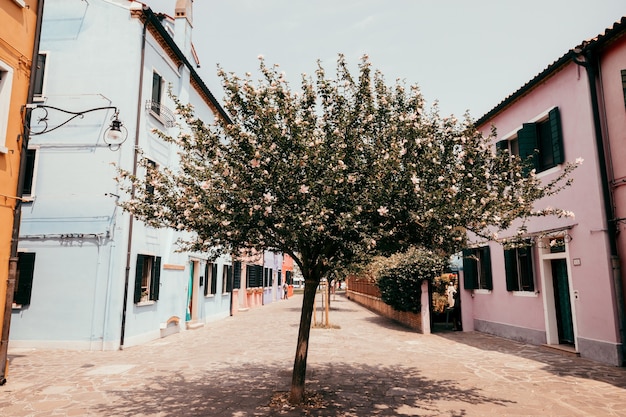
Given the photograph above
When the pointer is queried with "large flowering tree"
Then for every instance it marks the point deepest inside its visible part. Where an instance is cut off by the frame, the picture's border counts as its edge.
(342, 169)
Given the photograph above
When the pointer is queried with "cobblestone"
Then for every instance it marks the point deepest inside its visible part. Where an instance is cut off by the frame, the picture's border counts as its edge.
(368, 366)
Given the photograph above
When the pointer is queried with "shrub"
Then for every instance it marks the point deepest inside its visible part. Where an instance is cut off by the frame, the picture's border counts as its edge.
(400, 277)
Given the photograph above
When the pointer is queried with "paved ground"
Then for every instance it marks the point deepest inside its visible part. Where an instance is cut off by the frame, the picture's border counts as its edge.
(367, 367)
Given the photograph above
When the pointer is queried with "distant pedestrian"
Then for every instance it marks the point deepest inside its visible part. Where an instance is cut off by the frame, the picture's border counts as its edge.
(285, 292)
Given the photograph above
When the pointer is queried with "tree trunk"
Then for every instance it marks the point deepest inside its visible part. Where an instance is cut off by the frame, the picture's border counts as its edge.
(296, 394)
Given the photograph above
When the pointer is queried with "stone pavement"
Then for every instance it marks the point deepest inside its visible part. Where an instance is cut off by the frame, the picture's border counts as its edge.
(369, 366)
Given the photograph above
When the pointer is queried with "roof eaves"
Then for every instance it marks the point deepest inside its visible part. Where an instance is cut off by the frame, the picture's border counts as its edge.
(156, 23)
(590, 45)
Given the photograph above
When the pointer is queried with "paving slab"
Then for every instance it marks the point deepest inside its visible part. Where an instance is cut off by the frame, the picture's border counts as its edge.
(366, 365)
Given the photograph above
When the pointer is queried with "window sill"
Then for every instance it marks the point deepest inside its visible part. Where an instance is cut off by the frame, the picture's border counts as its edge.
(17, 306)
(532, 294)
(483, 292)
(145, 303)
(548, 171)
(209, 296)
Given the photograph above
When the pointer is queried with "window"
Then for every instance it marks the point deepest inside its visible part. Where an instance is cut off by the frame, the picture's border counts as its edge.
(28, 188)
(268, 277)
(227, 278)
(210, 284)
(6, 81)
(288, 278)
(254, 276)
(150, 167)
(477, 268)
(518, 266)
(237, 274)
(24, 279)
(157, 88)
(147, 278)
(541, 142)
(39, 79)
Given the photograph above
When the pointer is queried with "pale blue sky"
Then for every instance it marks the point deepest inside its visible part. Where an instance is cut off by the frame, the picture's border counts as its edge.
(466, 54)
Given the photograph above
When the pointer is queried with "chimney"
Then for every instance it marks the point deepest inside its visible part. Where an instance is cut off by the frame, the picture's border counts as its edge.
(183, 25)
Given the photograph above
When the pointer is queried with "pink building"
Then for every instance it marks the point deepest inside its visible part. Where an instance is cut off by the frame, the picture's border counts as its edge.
(565, 289)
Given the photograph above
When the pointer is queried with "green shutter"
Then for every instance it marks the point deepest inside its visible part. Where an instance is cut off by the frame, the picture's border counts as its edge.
(156, 278)
(138, 275)
(510, 268)
(229, 279)
(206, 278)
(556, 136)
(25, 272)
(470, 270)
(237, 275)
(623, 73)
(486, 265)
(214, 279)
(528, 145)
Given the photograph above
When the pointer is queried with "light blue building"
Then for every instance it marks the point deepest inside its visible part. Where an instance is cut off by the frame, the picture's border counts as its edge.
(91, 276)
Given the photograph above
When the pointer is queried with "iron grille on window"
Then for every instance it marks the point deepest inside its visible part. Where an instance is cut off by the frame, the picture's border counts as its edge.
(161, 113)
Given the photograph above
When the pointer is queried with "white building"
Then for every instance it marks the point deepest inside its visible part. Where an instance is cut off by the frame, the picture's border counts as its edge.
(91, 276)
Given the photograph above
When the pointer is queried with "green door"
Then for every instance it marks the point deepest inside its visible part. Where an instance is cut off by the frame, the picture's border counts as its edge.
(562, 302)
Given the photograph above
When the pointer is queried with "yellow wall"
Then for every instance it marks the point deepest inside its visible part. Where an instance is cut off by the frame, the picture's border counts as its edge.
(17, 39)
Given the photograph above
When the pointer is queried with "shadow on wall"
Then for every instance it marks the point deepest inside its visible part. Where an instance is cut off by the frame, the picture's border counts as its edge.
(246, 390)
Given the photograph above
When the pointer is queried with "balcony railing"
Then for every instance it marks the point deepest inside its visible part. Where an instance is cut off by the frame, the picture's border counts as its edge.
(161, 113)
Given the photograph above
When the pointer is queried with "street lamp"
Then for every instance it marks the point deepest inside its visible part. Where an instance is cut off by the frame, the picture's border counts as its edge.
(114, 135)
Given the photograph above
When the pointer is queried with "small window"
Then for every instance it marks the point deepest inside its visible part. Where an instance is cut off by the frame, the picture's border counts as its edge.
(28, 188)
(157, 90)
(147, 278)
(237, 274)
(227, 278)
(151, 167)
(210, 284)
(24, 280)
(39, 79)
(477, 269)
(6, 82)
(268, 277)
(288, 278)
(518, 265)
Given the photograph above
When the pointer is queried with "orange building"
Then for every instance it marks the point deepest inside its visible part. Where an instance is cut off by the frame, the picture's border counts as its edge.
(19, 30)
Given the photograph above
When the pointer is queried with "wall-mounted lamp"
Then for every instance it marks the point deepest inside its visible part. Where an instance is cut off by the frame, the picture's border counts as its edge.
(113, 136)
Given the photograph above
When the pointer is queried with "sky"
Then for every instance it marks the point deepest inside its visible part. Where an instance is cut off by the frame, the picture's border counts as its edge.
(466, 55)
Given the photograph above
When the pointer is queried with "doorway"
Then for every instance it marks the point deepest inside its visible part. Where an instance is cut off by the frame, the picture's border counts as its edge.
(562, 302)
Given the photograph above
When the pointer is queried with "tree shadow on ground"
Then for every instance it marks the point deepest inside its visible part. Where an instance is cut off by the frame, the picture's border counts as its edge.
(555, 363)
(340, 390)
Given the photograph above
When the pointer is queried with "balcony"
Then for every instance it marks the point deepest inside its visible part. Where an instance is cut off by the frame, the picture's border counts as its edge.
(161, 113)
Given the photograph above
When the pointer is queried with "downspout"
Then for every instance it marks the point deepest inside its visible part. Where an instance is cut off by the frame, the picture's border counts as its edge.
(591, 64)
(131, 219)
(17, 213)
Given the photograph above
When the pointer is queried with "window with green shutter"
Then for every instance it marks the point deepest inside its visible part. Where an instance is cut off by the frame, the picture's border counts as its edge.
(518, 266)
(541, 143)
(24, 279)
(477, 269)
(147, 278)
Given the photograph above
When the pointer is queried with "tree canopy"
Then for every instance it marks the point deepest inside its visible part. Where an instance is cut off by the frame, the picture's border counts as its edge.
(342, 169)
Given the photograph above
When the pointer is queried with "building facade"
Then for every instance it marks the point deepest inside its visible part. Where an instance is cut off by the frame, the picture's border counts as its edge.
(92, 276)
(561, 285)
(18, 42)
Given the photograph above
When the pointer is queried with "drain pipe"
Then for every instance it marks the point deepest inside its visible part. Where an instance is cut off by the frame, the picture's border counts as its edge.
(587, 59)
(131, 220)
